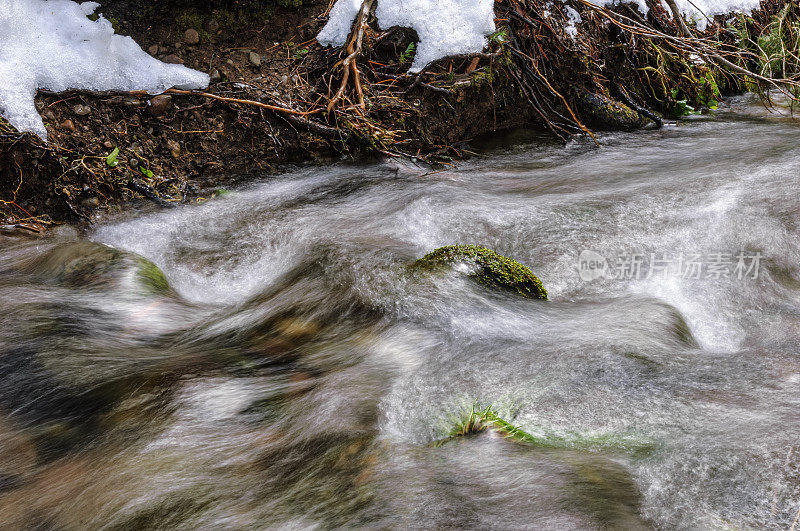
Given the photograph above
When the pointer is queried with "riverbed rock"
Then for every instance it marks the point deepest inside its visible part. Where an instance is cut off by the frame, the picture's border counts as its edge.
(487, 267)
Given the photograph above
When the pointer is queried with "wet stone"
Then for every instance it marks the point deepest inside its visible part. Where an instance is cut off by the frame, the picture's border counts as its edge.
(160, 104)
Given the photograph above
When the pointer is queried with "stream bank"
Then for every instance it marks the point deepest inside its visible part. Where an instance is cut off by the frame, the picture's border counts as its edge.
(186, 148)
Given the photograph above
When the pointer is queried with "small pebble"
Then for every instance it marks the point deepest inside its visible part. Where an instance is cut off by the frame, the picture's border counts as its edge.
(81, 110)
(215, 75)
(159, 104)
(174, 148)
(255, 59)
(191, 36)
(68, 125)
(108, 144)
(212, 26)
(173, 59)
(133, 163)
(153, 50)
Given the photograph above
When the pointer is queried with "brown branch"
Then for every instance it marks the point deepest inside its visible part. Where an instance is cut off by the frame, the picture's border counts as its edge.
(253, 103)
(226, 99)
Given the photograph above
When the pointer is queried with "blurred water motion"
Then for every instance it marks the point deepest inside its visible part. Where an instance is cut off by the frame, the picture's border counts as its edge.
(268, 359)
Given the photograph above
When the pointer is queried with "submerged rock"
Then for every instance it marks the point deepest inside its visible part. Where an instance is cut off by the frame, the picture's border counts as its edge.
(89, 264)
(489, 268)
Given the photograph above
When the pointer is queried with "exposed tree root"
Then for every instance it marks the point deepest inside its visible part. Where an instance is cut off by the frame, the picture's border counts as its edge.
(354, 46)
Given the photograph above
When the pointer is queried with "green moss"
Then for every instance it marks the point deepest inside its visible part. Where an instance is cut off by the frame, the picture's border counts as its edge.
(232, 20)
(606, 113)
(493, 269)
(486, 77)
(151, 277)
(115, 23)
(478, 420)
(191, 19)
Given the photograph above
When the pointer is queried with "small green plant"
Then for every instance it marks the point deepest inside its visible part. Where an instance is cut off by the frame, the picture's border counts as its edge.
(471, 424)
(145, 172)
(480, 419)
(407, 55)
(680, 108)
(498, 37)
(111, 159)
(709, 95)
(773, 49)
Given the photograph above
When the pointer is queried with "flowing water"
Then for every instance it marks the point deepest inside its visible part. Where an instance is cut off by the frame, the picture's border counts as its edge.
(290, 369)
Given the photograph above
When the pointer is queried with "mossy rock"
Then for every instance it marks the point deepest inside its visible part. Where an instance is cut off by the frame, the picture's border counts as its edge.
(602, 112)
(490, 269)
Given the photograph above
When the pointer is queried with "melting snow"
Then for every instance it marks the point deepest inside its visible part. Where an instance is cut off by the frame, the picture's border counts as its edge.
(445, 27)
(696, 11)
(451, 27)
(574, 19)
(53, 45)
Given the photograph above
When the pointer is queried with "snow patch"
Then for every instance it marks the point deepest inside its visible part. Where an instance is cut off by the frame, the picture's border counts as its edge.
(53, 45)
(445, 27)
(696, 12)
(699, 12)
(574, 19)
(452, 27)
(641, 4)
